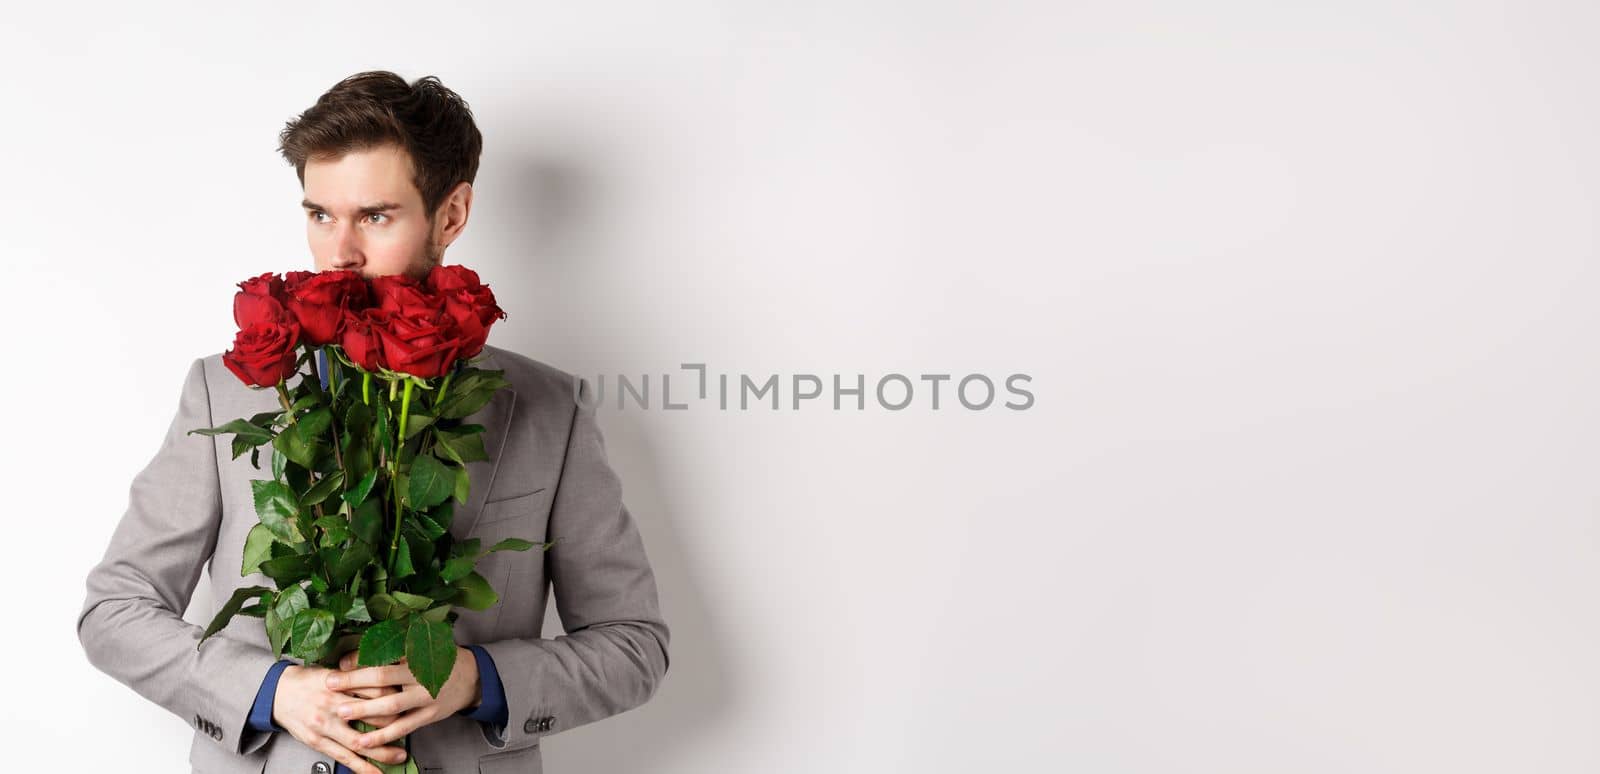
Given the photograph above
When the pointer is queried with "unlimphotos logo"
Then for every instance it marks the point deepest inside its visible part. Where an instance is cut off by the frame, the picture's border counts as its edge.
(806, 391)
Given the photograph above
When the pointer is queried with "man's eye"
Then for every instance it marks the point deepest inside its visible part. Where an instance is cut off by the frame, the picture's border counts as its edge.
(377, 215)
(316, 217)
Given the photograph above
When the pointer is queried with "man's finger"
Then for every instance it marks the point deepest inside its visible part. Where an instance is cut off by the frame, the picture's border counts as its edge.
(352, 660)
(352, 761)
(407, 723)
(393, 704)
(371, 677)
(345, 736)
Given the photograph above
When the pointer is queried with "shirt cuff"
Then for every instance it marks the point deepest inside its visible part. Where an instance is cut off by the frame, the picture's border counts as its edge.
(261, 711)
(492, 709)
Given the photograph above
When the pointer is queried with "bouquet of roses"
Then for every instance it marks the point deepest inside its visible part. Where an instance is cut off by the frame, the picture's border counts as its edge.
(355, 521)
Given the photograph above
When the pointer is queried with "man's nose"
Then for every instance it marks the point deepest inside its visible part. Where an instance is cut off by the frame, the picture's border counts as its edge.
(347, 253)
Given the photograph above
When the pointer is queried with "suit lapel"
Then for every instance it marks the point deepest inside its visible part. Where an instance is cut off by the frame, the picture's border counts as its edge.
(495, 416)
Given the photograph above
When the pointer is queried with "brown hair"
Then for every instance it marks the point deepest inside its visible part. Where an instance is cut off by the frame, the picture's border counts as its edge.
(430, 122)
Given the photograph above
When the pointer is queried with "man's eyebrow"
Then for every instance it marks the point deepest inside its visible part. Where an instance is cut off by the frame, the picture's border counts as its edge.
(371, 208)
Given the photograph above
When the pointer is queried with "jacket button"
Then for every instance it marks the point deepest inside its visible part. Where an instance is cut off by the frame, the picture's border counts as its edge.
(319, 767)
(530, 726)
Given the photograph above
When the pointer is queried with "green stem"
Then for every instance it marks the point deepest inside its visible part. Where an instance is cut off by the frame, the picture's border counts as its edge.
(394, 473)
(366, 387)
(333, 389)
(444, 387)
(283, 397)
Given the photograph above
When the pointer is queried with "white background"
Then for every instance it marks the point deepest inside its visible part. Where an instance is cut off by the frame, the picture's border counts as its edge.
(1307, 293)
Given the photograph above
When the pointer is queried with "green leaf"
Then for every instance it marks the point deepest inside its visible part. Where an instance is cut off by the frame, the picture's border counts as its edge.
(469, 391)
(429, 528)
(443, 515)
(357, 456)
(416, 421)
(457, 568)
(359, 492)
(367, 521)
(476, 594)
(277, 631)
(311, 630)
(302, 441)
(314, 424)
(385, 607)
(384, 643)
(323, 489)
(358, 611)
(431, 482)
(437, 613)
(276, 508)
(257, 548)
(463, 487)
(291, 602)
(336, 528)
(337, 603)
(234, 603)
(402, 560)
(510, 544)
(413, 601)
(287, 570)
(358, 418)
(430, 653)
(282, 614)
(462, 447)
(381, 428)
(244, 430)
(355, 557)
(297, 445)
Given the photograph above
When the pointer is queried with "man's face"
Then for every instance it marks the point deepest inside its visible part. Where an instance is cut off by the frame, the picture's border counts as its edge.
(364, 214)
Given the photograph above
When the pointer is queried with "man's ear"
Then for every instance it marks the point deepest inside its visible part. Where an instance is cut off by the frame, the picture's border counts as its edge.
(451, 218)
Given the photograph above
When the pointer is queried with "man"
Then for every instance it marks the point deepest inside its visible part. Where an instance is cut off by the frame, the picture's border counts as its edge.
(386, 170)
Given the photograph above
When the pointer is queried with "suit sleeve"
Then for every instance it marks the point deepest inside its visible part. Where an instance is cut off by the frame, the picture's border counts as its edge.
(614, 653)
(131, 624)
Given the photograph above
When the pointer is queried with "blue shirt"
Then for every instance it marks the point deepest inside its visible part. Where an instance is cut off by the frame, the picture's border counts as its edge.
(491, 710)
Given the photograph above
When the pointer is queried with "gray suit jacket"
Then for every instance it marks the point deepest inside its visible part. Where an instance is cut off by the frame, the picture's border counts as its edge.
(547, 479)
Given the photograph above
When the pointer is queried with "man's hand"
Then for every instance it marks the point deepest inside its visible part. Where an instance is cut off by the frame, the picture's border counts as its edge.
(411, 703)
(306, 708)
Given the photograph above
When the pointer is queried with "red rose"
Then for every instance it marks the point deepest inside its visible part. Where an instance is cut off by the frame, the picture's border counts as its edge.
(360, 338)
(469, 301)
(442, 278)
(401, 294)
(259, 299)
(424, 345)
(319, 301)
(263, 353)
